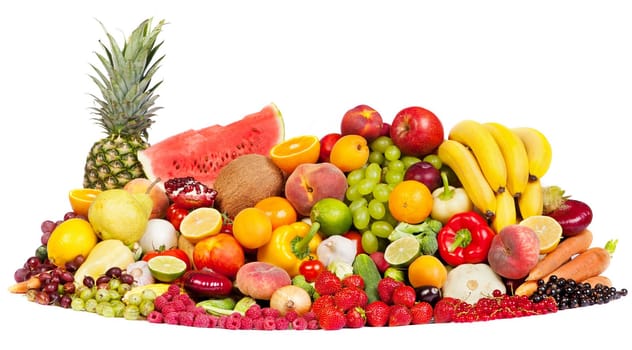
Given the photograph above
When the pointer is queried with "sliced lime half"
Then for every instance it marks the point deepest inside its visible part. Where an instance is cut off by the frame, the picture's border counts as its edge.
(166, 268)
(402, 251)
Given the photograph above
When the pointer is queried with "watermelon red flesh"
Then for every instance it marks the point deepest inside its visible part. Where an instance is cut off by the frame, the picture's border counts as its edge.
(202, 153)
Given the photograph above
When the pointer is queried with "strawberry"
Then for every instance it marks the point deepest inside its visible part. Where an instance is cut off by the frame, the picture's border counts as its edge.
(331, 318)
(445, 309)
(327, 283)
(377, 313)
(422, 313)
(345, 298)
(385, 289)
(322, 303)
(399, 315)
(353, 280)
(404, 295)
(355, 317)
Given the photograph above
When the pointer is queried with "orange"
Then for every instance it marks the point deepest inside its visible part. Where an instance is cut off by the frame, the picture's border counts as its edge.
(278, 209)
(427, 270)
(349, 153)
(293, 152)
(252, 228)
(81, 199)
(410, 201)
(201, 223)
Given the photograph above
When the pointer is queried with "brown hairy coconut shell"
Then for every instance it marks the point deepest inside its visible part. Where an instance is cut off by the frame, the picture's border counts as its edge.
(246, 180)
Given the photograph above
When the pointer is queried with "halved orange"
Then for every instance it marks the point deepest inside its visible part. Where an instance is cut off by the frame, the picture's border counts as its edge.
(293, 152)
(81, 199)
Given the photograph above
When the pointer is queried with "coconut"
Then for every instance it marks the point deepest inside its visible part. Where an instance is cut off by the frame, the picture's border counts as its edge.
(246, 180)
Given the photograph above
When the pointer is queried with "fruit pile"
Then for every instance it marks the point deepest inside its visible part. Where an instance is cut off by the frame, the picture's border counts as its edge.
(375, 224)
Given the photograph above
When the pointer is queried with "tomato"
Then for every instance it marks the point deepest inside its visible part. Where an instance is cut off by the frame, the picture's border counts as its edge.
(357, 237)
(175, 214)
(175, 252)
(311, 268)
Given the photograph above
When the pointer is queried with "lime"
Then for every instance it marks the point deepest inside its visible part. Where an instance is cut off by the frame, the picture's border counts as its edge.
(402, 251)
(166, 268)
(333, 215)
(549, 231)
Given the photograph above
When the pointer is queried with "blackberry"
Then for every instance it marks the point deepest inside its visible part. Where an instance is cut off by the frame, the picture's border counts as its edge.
(570, 294)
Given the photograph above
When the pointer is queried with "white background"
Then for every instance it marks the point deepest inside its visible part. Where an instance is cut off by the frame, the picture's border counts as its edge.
(562, 67)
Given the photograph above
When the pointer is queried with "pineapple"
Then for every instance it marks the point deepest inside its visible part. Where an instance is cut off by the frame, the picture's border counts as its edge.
(126, 108)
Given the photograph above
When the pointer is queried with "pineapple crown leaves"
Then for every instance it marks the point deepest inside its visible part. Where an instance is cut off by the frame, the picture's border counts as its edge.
(127, 106)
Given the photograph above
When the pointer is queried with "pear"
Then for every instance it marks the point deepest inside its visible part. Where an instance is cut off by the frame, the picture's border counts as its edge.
(119, 214)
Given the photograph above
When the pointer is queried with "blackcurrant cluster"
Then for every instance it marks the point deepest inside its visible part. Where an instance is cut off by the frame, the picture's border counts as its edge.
(569, 294)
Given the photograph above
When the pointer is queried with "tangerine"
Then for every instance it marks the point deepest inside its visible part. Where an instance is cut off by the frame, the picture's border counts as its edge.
(410, 201)
(278, 209)
(252, 228)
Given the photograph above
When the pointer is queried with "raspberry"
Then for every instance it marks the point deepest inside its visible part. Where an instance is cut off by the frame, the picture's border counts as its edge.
(377, 313)
(312, 324)
(422, 313)
(155, 317)
(291, 315)
(221, 321)
(268, 311)
(299, 323)
(233, 321)
(385, 288)
(269, 323)
(213, 321)
(331, 318)
(184, 299)
(257, 323)
(309, 315)
(327, 283)
(185, 318)
(322, 303)
(404, 295)
(399, 315)
(254, 311)
(247, 323)
(173, 290)
(355, 318)
(445, 309)
(171, 317)
(159, 302)
(353, 280)
(178, 305)
(201, 321)
(282, 323)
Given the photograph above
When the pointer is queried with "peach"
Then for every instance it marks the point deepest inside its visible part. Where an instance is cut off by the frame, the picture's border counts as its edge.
(514, 251)
(362, 120)
(157, 194)
(259, 279)
(309, 183)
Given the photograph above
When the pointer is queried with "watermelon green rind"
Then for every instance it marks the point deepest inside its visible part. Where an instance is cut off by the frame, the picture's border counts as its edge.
(202, 153)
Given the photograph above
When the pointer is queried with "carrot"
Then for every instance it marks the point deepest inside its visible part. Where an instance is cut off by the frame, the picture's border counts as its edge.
(526, 288)
(599, 279)
(22, 287)
(589, 263)
(561, 254)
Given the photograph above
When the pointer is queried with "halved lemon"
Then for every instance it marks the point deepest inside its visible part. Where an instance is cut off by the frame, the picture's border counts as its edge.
(166, 268)
(293, 152)
(402, 251)
(201, 223)
(549, 231)
(81, 199)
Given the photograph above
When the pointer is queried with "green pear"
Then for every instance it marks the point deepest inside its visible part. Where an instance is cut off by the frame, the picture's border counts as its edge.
(119, 214)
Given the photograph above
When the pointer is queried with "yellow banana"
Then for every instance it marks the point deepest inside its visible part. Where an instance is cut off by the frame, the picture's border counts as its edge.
(538, 149)
(459, 158)
(531, 202)
(488, 155)
(515, 155)
(505, 211)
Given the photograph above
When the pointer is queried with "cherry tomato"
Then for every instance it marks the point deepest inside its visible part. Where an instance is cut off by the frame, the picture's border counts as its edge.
(175, 214)
(175, 252)
(356, 237)
(311, 268)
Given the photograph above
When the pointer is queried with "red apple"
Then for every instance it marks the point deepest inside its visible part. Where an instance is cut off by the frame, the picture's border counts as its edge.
(221, 253)
(514, 251)
(425, 173)
(326, 144)
(416, 131)
(362, 120)
(386, 129)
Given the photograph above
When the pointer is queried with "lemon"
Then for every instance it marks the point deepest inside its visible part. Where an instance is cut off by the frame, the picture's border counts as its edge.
(201, 223)
(69, 239)
(402, 251)
(166, 268)
(549, 231)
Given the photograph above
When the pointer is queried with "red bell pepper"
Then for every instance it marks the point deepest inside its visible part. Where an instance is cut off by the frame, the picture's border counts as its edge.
(465, 238)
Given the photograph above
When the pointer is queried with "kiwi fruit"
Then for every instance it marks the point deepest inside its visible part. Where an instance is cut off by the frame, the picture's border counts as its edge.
(246, 180)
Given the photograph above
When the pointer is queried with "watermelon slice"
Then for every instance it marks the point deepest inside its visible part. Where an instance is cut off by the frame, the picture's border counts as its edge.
(202, 153)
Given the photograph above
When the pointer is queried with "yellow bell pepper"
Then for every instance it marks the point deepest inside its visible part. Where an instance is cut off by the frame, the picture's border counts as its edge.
(290, 245)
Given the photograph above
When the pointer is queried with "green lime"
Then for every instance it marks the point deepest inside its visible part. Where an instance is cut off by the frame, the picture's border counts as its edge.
(166, 268)
(333, 215)
(402, 251)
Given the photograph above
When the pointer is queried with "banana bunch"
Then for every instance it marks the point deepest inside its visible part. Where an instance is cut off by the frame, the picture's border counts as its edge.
(499, 167)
